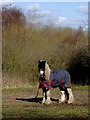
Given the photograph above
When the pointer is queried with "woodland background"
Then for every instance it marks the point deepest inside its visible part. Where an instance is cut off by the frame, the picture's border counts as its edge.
(26, 40)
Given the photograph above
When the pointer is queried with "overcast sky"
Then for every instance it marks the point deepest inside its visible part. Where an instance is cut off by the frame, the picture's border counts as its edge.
(71, 14)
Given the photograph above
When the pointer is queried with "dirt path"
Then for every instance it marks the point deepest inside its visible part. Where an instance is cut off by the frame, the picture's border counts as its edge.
(25, 106)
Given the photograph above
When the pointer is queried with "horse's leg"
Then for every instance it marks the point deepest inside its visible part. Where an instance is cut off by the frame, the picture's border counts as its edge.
(71, 99)
(48, 101)
(66, 96)
(62, 100)
(44, 95)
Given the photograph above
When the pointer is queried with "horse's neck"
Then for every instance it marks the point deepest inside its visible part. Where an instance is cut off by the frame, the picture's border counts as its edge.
(47, 72)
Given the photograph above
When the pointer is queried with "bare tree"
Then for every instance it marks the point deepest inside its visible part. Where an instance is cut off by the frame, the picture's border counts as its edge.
(12, 16)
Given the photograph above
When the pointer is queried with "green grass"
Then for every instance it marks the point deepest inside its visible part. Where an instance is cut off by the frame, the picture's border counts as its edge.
(48, 112)
(18, 109)
(16, 88)
(36, 86)
(80, 86)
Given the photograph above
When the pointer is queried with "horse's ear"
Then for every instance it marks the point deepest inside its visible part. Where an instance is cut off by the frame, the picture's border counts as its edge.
(39, 61)
(45, 62)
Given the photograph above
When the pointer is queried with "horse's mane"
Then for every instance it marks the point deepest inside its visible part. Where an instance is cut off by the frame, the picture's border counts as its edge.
(47, 71)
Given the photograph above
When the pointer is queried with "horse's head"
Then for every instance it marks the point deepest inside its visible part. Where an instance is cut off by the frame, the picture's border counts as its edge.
(44, 69)
(41, 68)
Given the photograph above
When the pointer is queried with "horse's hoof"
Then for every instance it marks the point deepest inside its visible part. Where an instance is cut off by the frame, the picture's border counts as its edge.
(48, 102)
(43, 102)
(70, 102)
(61, 102)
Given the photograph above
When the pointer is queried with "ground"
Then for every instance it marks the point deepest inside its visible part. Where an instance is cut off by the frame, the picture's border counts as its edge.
(26, 106)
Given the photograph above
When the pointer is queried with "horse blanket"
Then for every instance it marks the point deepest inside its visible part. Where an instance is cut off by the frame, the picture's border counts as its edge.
(58, 77)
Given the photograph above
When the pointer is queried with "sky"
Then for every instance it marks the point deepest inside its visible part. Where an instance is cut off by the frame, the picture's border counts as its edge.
(69, 13)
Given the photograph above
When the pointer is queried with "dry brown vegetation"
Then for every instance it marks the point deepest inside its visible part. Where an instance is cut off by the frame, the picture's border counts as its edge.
(23, 45)
(12, 16)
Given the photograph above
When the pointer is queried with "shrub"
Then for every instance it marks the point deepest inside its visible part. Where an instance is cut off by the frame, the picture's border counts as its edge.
(79, 67)
(23, 46)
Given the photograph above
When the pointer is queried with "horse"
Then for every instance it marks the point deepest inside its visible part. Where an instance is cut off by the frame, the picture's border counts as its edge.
(54, 78)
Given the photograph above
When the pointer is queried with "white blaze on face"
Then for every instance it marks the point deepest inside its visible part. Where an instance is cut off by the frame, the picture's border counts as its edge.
(41, 72)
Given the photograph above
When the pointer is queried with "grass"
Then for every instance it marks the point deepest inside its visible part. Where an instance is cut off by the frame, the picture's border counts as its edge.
(24, 109)
(49, 112)
(17, 88)
(36, 86)
(80, 86)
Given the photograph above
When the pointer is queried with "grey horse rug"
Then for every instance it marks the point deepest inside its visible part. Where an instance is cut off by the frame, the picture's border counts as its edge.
(58, 77)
